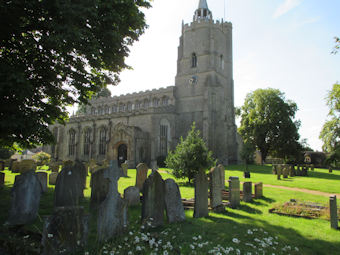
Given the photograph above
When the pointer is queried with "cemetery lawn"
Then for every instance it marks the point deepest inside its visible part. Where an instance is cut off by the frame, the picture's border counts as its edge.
(250, 229)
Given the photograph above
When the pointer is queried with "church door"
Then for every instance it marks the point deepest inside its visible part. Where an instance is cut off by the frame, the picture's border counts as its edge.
(122, 154)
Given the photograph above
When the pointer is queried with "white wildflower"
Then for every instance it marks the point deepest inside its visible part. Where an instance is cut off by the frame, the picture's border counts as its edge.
(235, 240)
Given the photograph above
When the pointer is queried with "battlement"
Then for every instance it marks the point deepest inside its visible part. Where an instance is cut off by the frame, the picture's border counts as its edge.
(223, 25)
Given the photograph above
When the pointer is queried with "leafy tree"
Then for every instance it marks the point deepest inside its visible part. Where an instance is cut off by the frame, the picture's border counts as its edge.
(42, 158)
(330, 133)
(5, 153)
(190, 156)
(57, 53)
(247, 154)
(337, 45)
(267, 123)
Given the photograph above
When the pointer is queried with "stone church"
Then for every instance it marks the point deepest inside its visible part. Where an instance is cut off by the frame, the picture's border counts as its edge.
(144, 126)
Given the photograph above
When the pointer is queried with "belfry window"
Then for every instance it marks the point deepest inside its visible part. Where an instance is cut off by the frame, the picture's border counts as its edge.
(164, 137)
(193, 60)
(102, 141)
(87, 137)
(71, 142)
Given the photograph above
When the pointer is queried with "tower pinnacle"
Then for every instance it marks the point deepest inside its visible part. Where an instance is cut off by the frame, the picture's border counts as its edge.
(202, 12)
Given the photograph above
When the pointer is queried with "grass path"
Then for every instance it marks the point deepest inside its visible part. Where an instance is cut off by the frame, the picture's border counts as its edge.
(314, 192)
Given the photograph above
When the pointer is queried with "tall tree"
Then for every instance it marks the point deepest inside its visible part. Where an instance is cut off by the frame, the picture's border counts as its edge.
(57, 53)
(267, 122)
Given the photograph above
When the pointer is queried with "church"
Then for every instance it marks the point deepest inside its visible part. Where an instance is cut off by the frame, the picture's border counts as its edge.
(144, 126)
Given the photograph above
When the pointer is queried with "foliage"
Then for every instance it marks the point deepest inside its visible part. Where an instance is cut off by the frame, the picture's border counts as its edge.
(190, 156)
(5, 153)
(330, 133)
(337, 45)
(247, 153)
(57, 53)
(42, 158)
(267, 122)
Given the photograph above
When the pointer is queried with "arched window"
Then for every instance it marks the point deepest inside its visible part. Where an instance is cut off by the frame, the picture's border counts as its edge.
(165, 101)
(221, 62)
(164, 137)
(114, 108)
(100, 110)
(102, 141)
(71, 142)
(155, 102)
(107, 109)
(193, 60)
(137, 105)
(87, 141)
(93, 110)
(129, 106)
(122, 107)
(146, 103)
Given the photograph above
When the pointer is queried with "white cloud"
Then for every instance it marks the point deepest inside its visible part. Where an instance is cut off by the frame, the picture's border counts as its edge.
(285, 7)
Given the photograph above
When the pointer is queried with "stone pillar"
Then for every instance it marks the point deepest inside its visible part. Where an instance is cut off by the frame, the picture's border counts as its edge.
(234, 191)
(258, 189)
(247, 187)
(201, 195)
(333, 211)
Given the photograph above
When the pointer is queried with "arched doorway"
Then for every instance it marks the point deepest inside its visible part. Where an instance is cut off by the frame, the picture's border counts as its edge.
(122, 154)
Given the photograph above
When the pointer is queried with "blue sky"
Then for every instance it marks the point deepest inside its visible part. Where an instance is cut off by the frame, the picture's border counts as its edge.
(283, 44)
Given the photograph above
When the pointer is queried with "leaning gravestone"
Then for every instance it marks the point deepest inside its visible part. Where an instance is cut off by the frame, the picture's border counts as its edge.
(99, 187)
(124, 167)
(52, 178)
(234, 192)
(247, 186)
(215, 190)
(258, 189)
(142, 172)
(222, 172)
(201, 195)
(131, 195)
(68, 188)
(153, 203)
(42, 177)
(112, 212)
(65, 231)
(333, 211)
(26, 193)
(27, 165)
(173, 202)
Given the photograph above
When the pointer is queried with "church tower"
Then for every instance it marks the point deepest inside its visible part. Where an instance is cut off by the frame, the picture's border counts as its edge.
(204, 86)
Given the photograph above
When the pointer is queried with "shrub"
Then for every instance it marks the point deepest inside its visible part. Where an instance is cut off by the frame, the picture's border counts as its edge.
(42, 158)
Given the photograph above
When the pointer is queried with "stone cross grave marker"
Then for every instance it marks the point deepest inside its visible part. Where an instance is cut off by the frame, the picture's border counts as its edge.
(26, 193)
(201, 195)
(142, 172)
(173, 202)
(215, 190)
(234, 191)
(153, 202)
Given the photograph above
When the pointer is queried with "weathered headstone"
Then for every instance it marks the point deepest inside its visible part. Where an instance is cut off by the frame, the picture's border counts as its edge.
(330, 169)
(274, 169)
(99, 187)
(142, 172)
(278, 171)
(65, 231)
(52, 178)
(173, 202)
(215, 190)
(285, 171)
(26, 193)
(124, 167)
(2, 179)
(258, 189)
(112, 212)
(42, 177)
(333, 211)
(201, 195)
(131, 195)
(234, 191)
(82, 170)
(291, 171)
(68, 188)
(153, 203)
(247, 187)
(222, 172)
(2, 165)
(246, 174)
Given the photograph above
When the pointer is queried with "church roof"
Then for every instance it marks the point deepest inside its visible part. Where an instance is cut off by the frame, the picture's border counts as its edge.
(203, 4)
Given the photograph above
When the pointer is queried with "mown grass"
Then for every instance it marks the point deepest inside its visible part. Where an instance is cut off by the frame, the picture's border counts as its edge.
(250, 224)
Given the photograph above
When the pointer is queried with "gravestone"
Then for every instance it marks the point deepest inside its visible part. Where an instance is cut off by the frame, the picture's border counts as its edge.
(312, 167)
(258, 189)
(131, 195)
(27, 165)
(112, 212)
(82, 171)
(99, 187)
(201, 195)
(68, 188)
(65, 231)
(333, 212)
(304, 171)
(54, 167)
(234, 192)
(124, 167)
(285, 171)
(278, 171)
(274, 169)
(52, 178)
(330, 169)
(15, 168)
(246, 174)
(26, 193)
(2, 165)
(142, 172)
(222, 171)
(2, 179)
(153, 202)
(291, 171)
(215, 190)
(173, 202)
(42, 177)
(247, 187)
